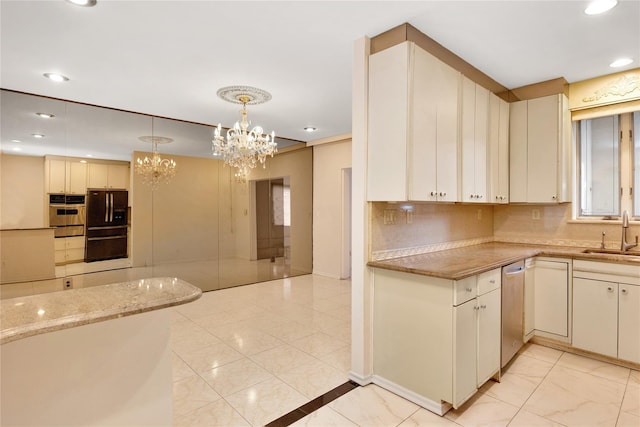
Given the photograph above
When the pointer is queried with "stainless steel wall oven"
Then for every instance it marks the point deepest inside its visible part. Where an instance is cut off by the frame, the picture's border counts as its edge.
(67, 214)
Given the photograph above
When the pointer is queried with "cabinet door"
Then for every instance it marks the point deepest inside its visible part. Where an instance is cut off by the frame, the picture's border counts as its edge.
(464, 351)
(518, 151)
(468, 135)
(423, 140)
(543, 133)
(448, 81)
(77, 183)
(388, 121)
(529, 299)
(57, 176)
(98, 176)
(595, 316)
(481, 129)
(118, 176)
(498, 151)
(489, 331)
(551, 297)
(629, 322)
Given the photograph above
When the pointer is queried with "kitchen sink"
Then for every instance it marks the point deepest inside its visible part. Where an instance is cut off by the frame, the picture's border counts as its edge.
(611, 252)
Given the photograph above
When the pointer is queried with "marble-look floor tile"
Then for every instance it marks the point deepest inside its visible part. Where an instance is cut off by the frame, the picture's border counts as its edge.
(282, 359)
(318, 344)
(339, 359)
(192, 339)
(519, 381)
(252, 342)
(631, 401)
(628, 420)
(483, 410)
(266, 401)
(595, 367)
(314, 378)
(571, 397)
(634, 377)
(235, 376)
(324, 417)
(373, 406)
(216, 414)
(190, 394)
(527, 419)
(179, 369)
(290, 331)
(422, 417)
(546, 354)
(210, 357)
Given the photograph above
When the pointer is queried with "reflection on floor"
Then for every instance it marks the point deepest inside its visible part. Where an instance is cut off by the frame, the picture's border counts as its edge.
(207, 275)
(248, 355)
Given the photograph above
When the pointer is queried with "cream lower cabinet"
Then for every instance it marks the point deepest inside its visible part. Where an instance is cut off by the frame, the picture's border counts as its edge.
(606, 309)
(435, 341)
(69, 249)
(552, 290)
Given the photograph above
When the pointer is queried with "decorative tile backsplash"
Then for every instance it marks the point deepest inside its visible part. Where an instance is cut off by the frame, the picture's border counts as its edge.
(403, 229)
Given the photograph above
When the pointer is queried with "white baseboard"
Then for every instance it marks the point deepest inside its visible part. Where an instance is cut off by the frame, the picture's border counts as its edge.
(439, 408)
(360, 379)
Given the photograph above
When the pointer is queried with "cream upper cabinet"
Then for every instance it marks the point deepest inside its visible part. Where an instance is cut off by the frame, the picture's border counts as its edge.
(65, 176)
(413, 126)
(108, 176)
(498, 169)
(474, 133)
(540, 150)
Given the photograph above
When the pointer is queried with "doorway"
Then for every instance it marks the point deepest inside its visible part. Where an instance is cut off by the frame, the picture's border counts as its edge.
(273, 218)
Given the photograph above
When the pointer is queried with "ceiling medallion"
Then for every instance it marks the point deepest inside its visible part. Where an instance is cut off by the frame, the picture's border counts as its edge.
(155, 169)
(242, 148)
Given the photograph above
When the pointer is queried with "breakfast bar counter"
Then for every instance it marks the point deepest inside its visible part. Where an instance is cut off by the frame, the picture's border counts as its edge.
(94, 356)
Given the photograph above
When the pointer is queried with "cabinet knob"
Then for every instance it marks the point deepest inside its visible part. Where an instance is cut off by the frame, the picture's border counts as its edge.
(624, 291)
(492, 281)
(609, 288)
(433, 193)
(554, 197)
(442, 194)
(468, 289)
(483, 306)
(476, 308)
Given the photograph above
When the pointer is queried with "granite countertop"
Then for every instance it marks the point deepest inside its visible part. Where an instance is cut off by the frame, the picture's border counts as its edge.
(456, 264)
(38, 314)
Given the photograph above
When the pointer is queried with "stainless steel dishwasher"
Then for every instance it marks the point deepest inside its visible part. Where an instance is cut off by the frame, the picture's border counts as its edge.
(512, 310)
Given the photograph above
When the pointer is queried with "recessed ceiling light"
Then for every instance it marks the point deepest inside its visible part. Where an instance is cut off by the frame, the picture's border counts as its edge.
(89, 155)
(56, 77)
(83, 161)
(87, 3)
(15, 140)
(310, 128)
(621, 62)
(17, 149)
(45, 115)
(600, 6)
(37, 135)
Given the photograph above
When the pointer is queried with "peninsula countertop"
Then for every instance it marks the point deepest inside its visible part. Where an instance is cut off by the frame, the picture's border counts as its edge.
(37, 314)
(456, 264)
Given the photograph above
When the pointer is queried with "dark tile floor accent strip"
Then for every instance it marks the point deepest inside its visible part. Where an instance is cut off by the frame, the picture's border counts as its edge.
(312, 406)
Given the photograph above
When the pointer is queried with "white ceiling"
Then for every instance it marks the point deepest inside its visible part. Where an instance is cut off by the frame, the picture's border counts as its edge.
(168, 58)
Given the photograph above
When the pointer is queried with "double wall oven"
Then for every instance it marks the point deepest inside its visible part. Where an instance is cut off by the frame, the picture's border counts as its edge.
(67, 214)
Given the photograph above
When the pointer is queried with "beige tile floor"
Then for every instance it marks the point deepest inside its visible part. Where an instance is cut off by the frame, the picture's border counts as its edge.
(248, 355)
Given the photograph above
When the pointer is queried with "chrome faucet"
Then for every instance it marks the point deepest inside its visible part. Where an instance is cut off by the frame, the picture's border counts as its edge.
(624, 246)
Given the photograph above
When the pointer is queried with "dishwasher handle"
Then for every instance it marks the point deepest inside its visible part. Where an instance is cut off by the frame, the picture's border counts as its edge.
(519, 270)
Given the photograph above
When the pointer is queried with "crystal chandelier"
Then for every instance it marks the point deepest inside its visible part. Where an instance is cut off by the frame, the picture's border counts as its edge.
(242, 148)
(155, 169)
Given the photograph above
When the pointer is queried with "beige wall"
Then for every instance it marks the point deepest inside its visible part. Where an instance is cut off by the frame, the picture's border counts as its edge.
(22, 201)
(329, 160)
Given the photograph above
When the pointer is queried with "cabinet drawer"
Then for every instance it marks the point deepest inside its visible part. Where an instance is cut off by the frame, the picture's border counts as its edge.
(74, 242)
(489, 280)
(464, 290)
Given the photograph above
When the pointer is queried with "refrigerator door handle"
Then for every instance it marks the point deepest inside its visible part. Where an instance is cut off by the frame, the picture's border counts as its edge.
(111, 206)
(91, 239)
(106, 207)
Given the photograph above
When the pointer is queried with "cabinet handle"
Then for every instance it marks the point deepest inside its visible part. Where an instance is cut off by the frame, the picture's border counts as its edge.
(492, 281)
(483, 306)
(442, 194)
(609, 288)
(553, 197)
(433, 193)
(468, 289)
(476, 308)
(624, 291)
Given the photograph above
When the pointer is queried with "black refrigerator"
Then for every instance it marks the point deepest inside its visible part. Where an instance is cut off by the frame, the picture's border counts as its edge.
(106, 236)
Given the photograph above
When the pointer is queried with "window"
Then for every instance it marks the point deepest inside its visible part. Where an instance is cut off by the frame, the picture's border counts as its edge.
(609, 166)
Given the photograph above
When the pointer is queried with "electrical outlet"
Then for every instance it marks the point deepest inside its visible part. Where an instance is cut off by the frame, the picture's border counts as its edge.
(389, 216)
(535, 214)
(68, 283)
(409, 213)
